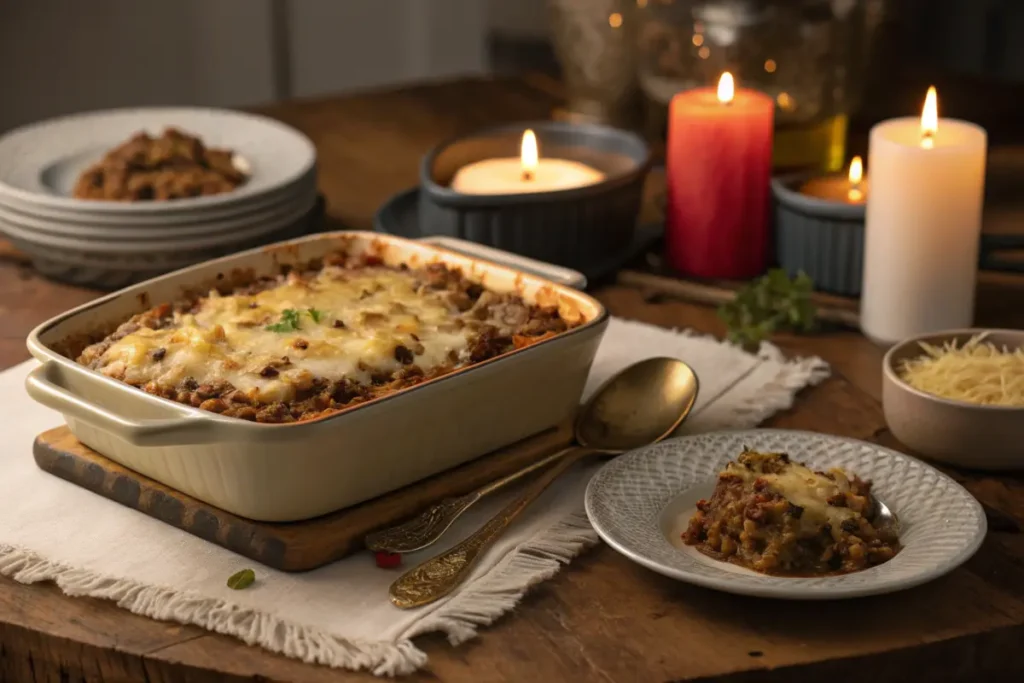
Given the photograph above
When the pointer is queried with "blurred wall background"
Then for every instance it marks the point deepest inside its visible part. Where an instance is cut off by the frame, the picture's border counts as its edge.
(63, 56)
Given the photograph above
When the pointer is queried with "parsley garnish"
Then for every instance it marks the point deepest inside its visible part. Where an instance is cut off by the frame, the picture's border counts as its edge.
(772, 303)
(289, 321)
(242, 579)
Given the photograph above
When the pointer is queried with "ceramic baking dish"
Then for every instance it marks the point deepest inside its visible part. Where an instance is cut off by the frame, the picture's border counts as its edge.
(285, 472)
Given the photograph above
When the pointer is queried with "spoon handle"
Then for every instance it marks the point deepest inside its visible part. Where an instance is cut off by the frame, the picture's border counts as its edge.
(440, 575)
(424, 529)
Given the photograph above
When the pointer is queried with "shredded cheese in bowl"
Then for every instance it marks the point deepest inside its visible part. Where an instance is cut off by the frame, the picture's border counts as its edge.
(977, 372)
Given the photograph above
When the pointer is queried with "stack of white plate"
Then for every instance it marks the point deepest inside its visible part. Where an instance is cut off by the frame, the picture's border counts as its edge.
(110, 244)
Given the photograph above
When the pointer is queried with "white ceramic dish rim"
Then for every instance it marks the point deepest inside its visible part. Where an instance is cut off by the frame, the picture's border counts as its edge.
(97, 239)
(160, 117)
(891, 373)
(229, 427)
(778, 590)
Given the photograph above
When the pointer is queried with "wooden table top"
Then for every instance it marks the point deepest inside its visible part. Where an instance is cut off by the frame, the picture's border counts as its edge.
(602, 618)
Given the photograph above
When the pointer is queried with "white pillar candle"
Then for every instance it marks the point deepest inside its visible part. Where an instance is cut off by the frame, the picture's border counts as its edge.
(923, 225)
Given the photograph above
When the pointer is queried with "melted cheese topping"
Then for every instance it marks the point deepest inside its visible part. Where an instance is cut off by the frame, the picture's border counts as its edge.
(805, 488)
(977, 372)
(234, 338)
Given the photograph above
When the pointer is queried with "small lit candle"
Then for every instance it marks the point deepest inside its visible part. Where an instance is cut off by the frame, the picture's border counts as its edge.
(526, 174)
(718, 167)
(923, 225)
(851, 188)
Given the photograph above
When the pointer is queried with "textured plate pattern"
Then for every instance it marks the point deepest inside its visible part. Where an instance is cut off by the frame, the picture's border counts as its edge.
(941, 524)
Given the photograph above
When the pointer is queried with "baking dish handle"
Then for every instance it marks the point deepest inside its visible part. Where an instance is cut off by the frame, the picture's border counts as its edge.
(183, 430)
(548, 271)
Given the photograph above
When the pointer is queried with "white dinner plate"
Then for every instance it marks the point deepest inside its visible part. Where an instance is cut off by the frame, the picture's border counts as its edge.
(640, 504)
(133, 235)
(174, 217)
(40, 163)
(170, 244)
(113, 270)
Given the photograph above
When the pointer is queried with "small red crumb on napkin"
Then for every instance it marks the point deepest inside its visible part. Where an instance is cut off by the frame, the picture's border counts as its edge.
(386, 560)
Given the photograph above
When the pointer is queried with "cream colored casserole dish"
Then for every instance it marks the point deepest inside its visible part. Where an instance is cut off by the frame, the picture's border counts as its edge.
(285, 472)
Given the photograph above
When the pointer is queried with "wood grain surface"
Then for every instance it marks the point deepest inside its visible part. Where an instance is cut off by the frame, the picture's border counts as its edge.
(602, 618)
(293, 546)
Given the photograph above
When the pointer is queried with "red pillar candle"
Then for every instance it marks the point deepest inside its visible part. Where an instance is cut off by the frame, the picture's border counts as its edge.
(718, 174)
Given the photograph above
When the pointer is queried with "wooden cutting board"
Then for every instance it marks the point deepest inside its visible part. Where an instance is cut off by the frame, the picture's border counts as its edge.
(291, 546)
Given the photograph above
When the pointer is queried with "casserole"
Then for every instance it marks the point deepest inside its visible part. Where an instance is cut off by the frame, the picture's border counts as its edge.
(286, 472)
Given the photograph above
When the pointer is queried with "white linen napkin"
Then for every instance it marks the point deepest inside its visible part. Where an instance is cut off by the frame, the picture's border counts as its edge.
(340, 615)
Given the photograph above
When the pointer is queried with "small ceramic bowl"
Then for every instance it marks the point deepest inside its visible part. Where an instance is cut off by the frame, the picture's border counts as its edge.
(822, 238)
(959, 433)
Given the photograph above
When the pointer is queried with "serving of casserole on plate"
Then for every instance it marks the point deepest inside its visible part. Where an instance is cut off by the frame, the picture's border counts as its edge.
(774, 515)
(291, 381)
(720, 510)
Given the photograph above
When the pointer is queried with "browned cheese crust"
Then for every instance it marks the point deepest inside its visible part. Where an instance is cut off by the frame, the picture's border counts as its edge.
(317, 340)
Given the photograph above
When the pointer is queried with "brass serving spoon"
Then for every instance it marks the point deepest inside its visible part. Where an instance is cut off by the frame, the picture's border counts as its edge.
(643, 404)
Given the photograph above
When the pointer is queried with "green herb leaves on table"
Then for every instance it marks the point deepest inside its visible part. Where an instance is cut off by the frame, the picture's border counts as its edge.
(291, 320)
(242, 579)
(769, 304)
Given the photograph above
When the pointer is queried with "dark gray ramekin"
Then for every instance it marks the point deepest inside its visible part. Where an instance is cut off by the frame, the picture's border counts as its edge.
(572, 228)
(822, 238)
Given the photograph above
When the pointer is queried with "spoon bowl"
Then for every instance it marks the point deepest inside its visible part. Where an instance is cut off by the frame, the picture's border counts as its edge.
(643, 404)
(885, 517)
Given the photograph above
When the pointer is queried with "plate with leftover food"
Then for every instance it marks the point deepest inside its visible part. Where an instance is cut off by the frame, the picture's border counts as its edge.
(785, 514)
(107, 198)
(151, 159)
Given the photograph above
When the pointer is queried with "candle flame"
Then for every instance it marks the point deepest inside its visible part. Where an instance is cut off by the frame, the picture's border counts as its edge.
(855, 194)
(856, 171)
(528, 154)
(930, 118)
(726, 88)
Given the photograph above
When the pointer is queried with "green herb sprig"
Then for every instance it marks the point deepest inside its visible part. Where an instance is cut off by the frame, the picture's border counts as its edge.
(772, 303)
(291, 320)
(242, 579)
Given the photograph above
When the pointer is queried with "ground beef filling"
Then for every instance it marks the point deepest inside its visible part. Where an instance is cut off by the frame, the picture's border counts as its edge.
(174, 165)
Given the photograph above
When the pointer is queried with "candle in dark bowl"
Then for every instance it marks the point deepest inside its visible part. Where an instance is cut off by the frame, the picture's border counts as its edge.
(564, 193)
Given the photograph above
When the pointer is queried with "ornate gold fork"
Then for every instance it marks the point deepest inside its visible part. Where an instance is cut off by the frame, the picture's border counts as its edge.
(423, 530)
